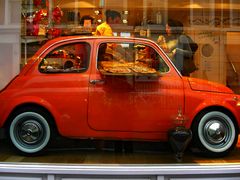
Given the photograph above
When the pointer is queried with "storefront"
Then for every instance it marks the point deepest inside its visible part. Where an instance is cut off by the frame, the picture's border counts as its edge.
(214, 25)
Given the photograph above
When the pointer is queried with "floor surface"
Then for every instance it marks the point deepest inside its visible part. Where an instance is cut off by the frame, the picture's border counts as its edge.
(99, 152)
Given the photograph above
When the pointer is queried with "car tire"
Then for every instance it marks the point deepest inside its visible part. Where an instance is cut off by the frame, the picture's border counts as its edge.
(29, 131)
(214, 134)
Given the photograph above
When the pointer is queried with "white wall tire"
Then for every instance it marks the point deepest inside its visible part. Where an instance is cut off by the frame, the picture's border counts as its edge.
(29, 132)
(215, 133)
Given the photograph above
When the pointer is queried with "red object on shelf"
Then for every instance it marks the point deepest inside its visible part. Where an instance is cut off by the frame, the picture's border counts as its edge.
(57, 14)
(54, 32)
(32, 29)
(37, 2)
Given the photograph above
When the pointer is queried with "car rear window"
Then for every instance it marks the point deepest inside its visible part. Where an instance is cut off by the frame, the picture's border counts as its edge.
(68, 58)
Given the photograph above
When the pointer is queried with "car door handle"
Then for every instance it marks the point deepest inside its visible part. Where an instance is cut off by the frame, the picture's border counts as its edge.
(97, 81)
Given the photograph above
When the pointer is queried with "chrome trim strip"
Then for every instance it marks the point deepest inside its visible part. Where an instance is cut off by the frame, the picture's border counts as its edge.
(122, 169)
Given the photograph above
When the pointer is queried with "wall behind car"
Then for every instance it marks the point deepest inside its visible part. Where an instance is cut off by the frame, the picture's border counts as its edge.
(10, 44)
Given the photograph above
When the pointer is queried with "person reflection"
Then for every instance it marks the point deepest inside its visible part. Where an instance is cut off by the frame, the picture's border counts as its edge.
(177, 45)
(105, 29)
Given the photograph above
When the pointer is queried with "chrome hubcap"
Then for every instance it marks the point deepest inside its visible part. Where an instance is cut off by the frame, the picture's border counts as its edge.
(30, 132)
(215, 132)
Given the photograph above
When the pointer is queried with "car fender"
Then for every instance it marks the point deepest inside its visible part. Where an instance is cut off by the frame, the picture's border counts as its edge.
(229, 104)
(24, 100)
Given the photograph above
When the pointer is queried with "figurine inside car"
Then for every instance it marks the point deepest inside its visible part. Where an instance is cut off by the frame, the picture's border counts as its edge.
(114, 88)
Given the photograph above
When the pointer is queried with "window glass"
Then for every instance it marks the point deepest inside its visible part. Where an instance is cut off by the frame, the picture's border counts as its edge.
(200, 37)
(67, 58)
(130, 58)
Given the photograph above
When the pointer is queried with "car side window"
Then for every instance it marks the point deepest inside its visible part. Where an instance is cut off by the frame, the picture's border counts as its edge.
(130, 58)
(68, 58)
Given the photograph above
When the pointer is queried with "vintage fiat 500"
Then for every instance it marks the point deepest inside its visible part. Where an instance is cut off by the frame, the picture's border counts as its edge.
(114, 88)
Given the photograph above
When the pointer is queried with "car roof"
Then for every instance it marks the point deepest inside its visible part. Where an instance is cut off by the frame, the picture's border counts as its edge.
(60, 39)
(64, 38)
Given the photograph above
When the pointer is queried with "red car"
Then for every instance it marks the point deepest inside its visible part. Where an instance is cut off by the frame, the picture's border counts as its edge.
(114, 88)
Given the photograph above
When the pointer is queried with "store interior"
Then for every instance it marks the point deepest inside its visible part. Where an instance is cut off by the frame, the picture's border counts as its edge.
(213, 25)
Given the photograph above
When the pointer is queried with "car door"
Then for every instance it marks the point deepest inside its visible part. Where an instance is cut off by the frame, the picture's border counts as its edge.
(134, 102)
(63, 83)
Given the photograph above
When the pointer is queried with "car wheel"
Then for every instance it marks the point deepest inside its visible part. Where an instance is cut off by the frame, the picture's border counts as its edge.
(214, 133)
(29, 131)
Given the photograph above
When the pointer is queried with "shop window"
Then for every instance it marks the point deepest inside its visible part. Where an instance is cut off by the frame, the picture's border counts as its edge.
(130, 58)
(68, 58)
(207, 22)
(2, 5)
